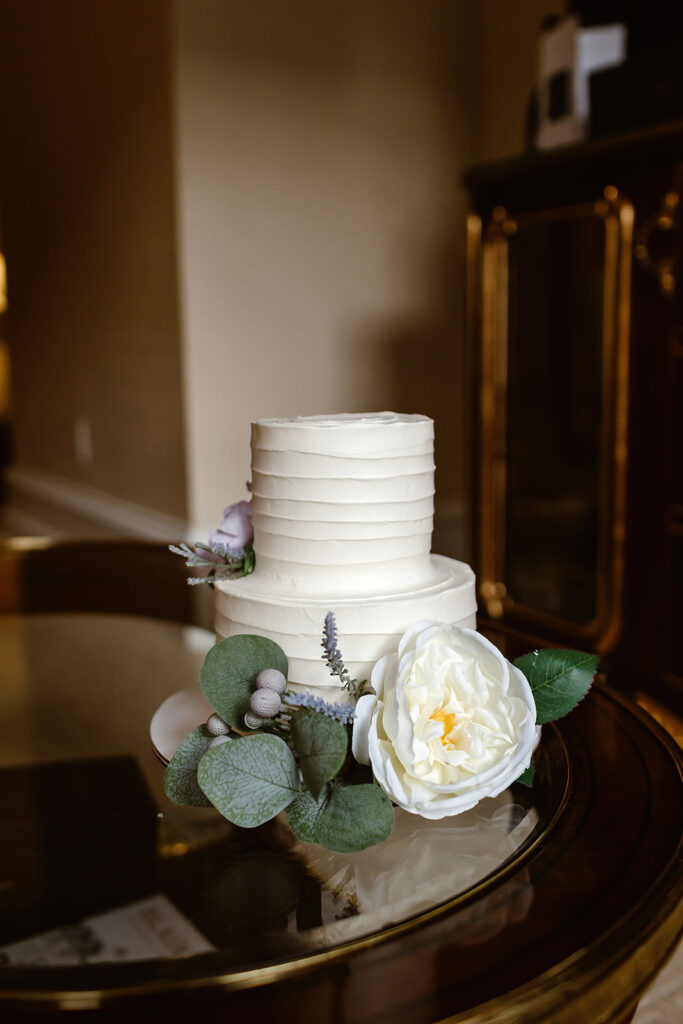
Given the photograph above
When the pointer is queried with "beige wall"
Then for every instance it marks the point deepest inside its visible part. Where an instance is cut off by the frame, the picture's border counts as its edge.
(307, 157)
(88, 226)
(319, 151)
(507, 33)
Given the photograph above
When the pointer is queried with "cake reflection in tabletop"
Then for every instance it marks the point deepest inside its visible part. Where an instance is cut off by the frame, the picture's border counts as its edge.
(259, 895)
(254, 895)
(421, 865)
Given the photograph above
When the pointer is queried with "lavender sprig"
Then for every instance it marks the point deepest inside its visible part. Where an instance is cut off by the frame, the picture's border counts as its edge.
(192, 557)
(223, 561)
(343, 713)
(333, 657)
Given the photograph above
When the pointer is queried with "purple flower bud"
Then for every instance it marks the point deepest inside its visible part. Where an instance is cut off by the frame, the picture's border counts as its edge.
(235, 531)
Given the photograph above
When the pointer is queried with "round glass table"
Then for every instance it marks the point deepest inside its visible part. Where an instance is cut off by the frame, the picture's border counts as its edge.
(555, 903)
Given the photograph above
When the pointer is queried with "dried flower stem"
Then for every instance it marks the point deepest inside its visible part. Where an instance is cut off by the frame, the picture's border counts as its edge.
(333, 657)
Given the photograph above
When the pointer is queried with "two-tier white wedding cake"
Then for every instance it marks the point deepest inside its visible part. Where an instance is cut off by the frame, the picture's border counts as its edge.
(343, 512)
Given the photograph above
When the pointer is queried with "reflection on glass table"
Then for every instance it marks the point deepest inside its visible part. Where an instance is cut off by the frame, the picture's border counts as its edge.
(422, 864)
(564, 897)
(88, 812)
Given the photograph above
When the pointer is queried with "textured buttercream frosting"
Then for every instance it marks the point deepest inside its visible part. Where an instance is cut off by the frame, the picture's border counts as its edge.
(343, 512)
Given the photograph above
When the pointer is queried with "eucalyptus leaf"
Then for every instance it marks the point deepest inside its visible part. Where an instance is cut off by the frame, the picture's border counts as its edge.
(321, 744)
(228, 675)
(559, 680)
(527, 777)
(303, 814)
(251, 779)
(180, 777)
(354, 818)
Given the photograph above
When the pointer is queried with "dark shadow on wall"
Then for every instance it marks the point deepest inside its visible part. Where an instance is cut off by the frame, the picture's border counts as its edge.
(422, 362)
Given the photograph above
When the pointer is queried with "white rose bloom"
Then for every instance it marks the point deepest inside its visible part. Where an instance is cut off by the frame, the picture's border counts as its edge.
(451, 721)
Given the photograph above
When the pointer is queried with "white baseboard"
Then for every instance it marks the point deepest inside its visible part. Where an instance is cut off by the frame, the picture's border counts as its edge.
(41, 503)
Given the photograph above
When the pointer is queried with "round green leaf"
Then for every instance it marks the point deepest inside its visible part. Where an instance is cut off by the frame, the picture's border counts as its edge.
(355, 817)
(180, 777)
(303, 813)
(251, 779)
(321, 744)
(229, 672)
(527, 777)
(559, 680)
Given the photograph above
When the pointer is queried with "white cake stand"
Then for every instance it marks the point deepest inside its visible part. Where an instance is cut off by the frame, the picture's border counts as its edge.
(175, 718)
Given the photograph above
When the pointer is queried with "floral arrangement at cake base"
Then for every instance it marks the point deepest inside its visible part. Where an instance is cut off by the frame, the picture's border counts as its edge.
(445, 721)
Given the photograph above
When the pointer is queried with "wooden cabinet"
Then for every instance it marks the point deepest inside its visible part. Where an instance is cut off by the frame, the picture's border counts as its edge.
(575, 283)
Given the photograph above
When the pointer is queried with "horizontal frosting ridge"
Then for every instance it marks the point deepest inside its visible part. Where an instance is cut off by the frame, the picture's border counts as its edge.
(375, 469)
(343, 511)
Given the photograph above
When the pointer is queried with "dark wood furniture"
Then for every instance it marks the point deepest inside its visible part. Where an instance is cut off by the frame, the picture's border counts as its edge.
(133, 577)
(575, 283)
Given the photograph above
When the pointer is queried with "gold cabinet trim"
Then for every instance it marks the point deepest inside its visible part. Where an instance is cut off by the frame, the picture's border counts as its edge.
(491, 260)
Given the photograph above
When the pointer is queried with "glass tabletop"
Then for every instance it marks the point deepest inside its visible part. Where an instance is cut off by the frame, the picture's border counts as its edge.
(109, 892)
(99, 844)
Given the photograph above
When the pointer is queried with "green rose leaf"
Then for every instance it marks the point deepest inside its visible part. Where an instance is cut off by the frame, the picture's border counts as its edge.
(229, 671)
(248, 561)
(527, 777)
(321, 744)
(558, 679)
(251, 779)
(303, 814)
(180, 777)
(355, 817)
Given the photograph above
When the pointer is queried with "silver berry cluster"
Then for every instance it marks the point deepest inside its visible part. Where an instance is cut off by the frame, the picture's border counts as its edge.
(218, 729)
(269, 701)
(265, 701)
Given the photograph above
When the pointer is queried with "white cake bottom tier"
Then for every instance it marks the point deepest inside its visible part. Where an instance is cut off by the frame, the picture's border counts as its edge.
(368, 627)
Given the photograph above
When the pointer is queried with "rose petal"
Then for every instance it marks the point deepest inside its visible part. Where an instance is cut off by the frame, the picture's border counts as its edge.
(361, 728)
(381, 667)
(453, 721)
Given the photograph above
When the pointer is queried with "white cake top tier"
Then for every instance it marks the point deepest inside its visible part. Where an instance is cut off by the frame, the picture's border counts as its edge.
(357, 435)
(343, 503)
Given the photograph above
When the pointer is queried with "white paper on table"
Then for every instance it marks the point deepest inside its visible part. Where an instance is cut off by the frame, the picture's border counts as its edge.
(149, 929)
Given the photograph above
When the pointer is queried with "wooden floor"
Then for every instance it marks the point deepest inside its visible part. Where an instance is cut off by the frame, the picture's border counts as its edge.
(663, 1002)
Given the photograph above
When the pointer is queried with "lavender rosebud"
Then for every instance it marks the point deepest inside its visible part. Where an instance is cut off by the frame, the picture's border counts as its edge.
(265, 703)
(236, 530)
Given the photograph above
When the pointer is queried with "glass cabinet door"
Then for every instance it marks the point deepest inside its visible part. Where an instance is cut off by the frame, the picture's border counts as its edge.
(554, 378)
